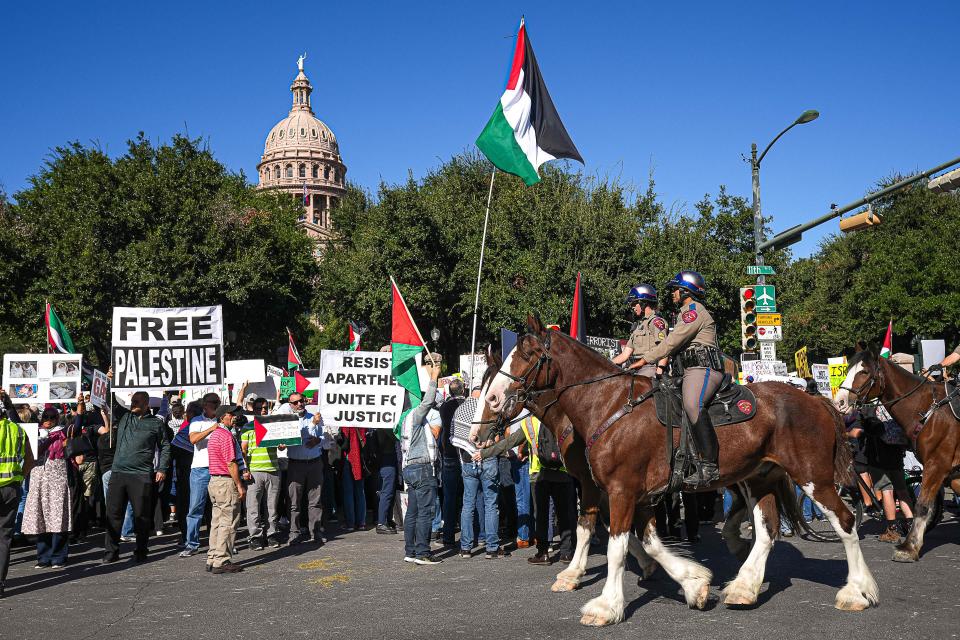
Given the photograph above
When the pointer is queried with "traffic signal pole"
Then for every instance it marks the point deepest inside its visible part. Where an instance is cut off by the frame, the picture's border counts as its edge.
(794, 234)
(757, 217)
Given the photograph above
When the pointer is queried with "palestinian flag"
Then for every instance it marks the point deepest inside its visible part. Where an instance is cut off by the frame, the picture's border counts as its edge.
(525, 129)
(58, 338)
(406, 344)
(277, 429)
(293, 356)
(307, 381)
(887, 342)
(578, 319)
(356, 330)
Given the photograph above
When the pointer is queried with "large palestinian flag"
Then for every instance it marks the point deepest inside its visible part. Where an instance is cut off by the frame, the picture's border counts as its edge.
(58, 338)
(525, 129)
(406, 344)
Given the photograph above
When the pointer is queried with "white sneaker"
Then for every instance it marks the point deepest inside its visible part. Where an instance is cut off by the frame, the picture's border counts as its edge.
(427, 560)
(405, 559)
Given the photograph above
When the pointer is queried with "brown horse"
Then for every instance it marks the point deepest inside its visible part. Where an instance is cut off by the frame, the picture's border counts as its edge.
(792, 432)
(907, 398)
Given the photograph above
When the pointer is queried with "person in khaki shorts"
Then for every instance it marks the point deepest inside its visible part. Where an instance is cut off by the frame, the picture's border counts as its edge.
(226, 490)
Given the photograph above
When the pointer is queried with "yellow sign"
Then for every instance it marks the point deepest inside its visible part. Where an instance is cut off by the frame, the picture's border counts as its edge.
(803, 366)
(769, 319)
(838, 373)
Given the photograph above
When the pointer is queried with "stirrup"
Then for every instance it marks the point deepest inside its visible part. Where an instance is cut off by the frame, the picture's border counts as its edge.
(704, 474)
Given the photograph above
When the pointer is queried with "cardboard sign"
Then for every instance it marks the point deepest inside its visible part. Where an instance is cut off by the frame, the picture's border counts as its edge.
(803, 367)
(240, 371)
(39, 378)
(171, 348)
(760, 369)
(821, 374)
(98, 389)
(358, 390)
(838, 373)
(277, 429)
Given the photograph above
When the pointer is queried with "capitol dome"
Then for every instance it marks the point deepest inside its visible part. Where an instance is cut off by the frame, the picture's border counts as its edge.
(301, 157)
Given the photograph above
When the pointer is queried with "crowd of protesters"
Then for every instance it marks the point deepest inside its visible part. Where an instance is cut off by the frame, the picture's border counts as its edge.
(138, 471)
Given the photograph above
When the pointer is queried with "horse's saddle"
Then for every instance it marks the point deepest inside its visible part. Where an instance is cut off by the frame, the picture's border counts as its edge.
(731, 404)
(951, 388)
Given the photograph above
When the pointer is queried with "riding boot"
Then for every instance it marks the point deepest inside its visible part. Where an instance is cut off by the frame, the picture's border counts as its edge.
(705, 441)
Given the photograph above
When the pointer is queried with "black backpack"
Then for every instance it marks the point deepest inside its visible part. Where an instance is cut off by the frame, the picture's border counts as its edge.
(548, 451)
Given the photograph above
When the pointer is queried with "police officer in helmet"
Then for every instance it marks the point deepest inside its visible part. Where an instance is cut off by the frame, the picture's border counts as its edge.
(647, 332)
(693, 342)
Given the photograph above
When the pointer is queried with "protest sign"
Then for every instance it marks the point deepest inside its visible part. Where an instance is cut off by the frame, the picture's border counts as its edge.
(38, 378)
(170, 348)
(240, 371)
(272, 431)
(288, 385)
(98, 389)
(479, 367)
(32, 429)
(821, 374)
(607, 346)
(803, 367)
(932, 351)
(838, 373)
(760, 369)
(358, 390)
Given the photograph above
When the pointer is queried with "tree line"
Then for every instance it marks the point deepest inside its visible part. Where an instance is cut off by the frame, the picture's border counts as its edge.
(168, 225)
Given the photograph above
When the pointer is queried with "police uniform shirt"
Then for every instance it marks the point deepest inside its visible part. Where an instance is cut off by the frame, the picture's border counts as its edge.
(646, 335)
(694, 325)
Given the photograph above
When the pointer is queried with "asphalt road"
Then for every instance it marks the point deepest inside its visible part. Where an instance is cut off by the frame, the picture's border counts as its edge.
(357, 586)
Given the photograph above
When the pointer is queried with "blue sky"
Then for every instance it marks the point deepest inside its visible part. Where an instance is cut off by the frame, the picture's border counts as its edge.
(679, 89)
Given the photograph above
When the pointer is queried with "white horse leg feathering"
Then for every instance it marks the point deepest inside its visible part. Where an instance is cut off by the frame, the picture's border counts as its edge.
(607, 608)
(745, 588)
(693, 577)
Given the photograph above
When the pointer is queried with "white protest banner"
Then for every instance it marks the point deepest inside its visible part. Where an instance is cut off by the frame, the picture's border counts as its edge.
(932, 351)
(821, 374)
(479, 368)
(240, 371)
(38, 378)
(32, 429)
(357, 390)
(607, 346)
(280, 428)
(167, 348)
(98, 389)
(760, 369)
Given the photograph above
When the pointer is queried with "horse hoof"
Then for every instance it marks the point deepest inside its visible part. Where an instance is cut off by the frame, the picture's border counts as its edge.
(562, 585)
(737, 596)
(852, 604)
(591, 620)
(901, 555)
(598, 613)
(702, 596)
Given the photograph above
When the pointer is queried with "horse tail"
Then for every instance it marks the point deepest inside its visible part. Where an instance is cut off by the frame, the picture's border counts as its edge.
(787, 503)
(842, 455)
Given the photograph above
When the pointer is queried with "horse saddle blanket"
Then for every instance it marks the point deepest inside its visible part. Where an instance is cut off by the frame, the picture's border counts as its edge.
(733, 403)
(951, 387)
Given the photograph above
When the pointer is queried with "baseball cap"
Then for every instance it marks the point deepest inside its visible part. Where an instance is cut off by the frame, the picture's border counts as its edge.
(251, 397)
(224, 409)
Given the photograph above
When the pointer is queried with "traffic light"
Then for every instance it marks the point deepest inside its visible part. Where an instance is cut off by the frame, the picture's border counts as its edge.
(860, 221)
(748, 319)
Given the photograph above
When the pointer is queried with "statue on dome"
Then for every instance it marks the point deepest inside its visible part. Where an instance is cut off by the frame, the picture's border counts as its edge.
(300, 61)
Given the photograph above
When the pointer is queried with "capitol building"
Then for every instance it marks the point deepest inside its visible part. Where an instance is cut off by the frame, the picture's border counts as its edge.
(301, 157)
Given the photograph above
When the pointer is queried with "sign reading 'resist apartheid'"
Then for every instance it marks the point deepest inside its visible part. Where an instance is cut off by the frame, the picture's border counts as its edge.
(167, 348)
(357, 390)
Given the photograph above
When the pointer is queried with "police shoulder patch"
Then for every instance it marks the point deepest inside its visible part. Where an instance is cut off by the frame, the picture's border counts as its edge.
(659, 323)
(689, 316)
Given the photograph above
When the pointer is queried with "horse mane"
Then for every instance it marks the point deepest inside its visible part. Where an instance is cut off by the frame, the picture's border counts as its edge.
(860, 356)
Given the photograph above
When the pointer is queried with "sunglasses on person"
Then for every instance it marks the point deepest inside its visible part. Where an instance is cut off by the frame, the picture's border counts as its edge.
(296, 402)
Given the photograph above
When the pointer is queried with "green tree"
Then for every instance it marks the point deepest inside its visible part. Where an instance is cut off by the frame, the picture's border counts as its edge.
(159, 226)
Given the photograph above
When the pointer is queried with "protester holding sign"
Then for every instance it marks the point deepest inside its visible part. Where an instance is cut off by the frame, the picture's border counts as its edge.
(139, 434)
(305, 475)
(48, 514)
(264, 473)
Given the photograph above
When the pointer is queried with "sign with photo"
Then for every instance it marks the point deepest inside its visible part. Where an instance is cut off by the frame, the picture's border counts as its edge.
(358, 390)
(172, 348)
(98, 389)
(39, 378)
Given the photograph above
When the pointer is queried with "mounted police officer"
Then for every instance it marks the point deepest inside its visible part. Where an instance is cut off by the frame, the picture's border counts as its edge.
(693, 341)
(647, 332)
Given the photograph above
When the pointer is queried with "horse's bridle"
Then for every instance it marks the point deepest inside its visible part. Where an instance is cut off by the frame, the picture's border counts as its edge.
(881, 381)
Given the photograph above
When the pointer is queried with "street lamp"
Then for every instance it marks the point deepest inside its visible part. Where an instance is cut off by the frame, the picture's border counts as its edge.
(807, 116)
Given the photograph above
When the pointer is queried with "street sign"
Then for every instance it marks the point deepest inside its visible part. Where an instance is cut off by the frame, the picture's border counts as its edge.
(768, 350)
(769, 319)
(760, 270)
(769, 333)
(766, 297)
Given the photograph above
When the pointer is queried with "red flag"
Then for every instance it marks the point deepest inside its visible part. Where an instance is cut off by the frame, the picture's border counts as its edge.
(578, 318)
(404, 329)
(887, 342)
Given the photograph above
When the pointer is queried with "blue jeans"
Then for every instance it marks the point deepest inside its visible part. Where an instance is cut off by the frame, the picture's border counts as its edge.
(438, 517)
(421, 502)
(127, 530)
(810, 510)
(21, 507)
(521, 485)
(481, 480)
(354, 500)
(199, 479)
(388, 491)
(52, 548)
(452, 483)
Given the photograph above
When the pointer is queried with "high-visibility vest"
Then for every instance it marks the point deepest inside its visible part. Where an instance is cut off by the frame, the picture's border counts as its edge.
(531, 429)
(12, 450)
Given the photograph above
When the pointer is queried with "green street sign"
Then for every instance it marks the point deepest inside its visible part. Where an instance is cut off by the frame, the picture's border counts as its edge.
(766, 297)
(760, 270)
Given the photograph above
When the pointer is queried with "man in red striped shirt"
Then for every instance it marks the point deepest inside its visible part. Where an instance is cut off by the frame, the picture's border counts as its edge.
(226, 491)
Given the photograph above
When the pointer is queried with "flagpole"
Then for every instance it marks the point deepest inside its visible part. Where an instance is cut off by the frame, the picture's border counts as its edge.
(476, 298)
